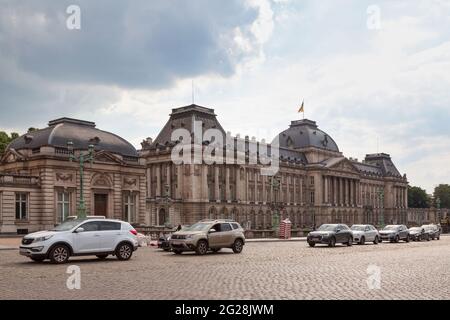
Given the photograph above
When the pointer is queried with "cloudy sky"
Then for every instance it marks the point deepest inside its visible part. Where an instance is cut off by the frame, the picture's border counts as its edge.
(375, 75)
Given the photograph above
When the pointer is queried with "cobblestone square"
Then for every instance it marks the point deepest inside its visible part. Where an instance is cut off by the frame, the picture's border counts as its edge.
(272, 270)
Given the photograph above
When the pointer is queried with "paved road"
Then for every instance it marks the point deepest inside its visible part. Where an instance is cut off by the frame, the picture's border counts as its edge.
(283, 270)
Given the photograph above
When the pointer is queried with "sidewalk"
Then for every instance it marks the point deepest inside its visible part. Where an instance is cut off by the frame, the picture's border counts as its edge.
(10, 243)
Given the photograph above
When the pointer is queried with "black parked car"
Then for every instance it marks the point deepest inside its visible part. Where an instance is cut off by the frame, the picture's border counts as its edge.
(331, 234)
(432, 231)
(395, 233)
(417, 234)
(163, 242)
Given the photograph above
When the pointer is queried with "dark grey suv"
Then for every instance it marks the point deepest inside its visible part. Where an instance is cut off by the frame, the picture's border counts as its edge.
(395, 233)
(331, 234)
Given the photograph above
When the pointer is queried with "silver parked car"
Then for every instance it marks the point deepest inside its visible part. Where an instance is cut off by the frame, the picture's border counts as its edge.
(365, 232)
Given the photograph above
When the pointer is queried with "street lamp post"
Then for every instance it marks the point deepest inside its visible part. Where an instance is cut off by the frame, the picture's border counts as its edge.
(275, 205)
(381, 196)
(166, 201)
(81, 158)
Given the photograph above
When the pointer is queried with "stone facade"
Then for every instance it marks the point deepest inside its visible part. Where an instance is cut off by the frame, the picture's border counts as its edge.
(317, 184)
(39, 186)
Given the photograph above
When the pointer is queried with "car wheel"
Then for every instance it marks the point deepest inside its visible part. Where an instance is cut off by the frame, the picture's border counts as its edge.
(376, 240)
(428, 238)
(37, 259)
(380, 240)
(407, 238)
(238, 246)
(59, 254)
(350, 242)
(202, 247)
(124, 251)
(362, 241)
(438, 237)
(102, 256)
(332, 242)
(215, 250)
(311, 244)
(397, 239)
(177, 251)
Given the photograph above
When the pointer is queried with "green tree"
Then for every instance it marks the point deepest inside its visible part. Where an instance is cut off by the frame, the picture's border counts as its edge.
(442, 192)
(5, 139)
(417, 198)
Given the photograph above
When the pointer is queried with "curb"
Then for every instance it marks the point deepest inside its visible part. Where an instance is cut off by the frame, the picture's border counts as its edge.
(8, 248)
(275, 240)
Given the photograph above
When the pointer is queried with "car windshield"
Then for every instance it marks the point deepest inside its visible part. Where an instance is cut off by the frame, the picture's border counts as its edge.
(358, 228)
(390, 228)
(327, 227)
(198, 227)
(67, 225)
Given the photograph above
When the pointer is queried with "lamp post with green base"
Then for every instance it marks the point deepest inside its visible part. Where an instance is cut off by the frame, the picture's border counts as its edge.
(166, 201)
(381, 197)
(81, 158)
(275, 205)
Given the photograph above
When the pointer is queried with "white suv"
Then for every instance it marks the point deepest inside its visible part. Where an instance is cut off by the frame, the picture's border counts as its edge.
(81, 237)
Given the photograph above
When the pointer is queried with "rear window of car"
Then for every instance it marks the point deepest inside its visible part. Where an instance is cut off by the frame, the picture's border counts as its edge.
(109, 225)
(235, 226)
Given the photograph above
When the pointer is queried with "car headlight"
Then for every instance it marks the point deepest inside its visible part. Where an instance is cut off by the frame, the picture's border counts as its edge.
(40, 239)
(168, 238)
(190, 236)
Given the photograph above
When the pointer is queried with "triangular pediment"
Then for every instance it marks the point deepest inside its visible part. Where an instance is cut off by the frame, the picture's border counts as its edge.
(341, 164)
(105, 156)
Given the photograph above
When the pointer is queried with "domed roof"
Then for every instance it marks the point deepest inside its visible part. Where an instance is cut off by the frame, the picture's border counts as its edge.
(305, 133)
(81, 133)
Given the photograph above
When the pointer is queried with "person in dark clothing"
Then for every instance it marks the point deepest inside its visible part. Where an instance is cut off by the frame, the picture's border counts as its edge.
(179, 227)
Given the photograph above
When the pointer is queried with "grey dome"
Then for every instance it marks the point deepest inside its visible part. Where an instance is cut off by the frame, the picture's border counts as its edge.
(81, 133)
(305, 133)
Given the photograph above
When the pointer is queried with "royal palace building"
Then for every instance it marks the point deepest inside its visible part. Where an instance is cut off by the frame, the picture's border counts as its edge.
(314, 183)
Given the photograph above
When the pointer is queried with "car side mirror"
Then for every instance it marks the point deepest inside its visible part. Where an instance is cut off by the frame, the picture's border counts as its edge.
(338, 230)
(212, 230)
(79, 230)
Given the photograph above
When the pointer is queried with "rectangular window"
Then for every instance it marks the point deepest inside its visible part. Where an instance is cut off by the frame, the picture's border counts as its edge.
(21, 206)
(130, 207)
(311, 181)
(312, 198)
(63, 206)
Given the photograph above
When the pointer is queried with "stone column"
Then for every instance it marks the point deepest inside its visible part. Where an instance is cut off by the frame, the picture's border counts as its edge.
(216, 183)
(341, 192)
(149, 182)
(158, 180)
(169, 180)
(205, 188)
(406, 197)
(238, 184)
(179, 188)
(246, 188)
(352, 192)
(325, 181)
(264, 195)
(255, 187)
(227, 184)
(333, 180)
(301, 200)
